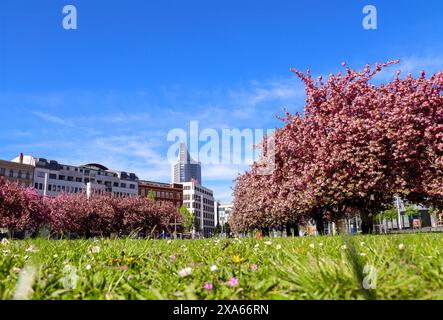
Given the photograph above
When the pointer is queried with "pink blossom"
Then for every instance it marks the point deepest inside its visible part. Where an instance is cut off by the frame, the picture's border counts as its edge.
(208, 286)
(233, 282)
(355, 146)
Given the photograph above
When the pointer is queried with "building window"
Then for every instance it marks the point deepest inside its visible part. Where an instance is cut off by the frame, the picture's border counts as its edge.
(132, 186)
(123, 185)
(2, 171)
(40, 174)
(11, 173)
(28, 175)
(52, 176)
(19, 175)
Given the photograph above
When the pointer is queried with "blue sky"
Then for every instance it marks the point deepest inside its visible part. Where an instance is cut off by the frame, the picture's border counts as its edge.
(111, 90)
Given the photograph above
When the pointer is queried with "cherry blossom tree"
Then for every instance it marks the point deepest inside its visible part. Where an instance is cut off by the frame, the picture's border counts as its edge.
(75, 214)
(67, 213)
(21, 209)
(355, 146)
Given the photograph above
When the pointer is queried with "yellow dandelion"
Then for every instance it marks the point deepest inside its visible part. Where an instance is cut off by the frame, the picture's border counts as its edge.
(237, 259)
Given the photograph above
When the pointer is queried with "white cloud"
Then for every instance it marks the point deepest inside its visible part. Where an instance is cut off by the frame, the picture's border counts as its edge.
(414, 65)
(276, 90)
(128, 153)
(428, 63)
(222, 171)
(52, 119)
(134, 140)
(222, 194)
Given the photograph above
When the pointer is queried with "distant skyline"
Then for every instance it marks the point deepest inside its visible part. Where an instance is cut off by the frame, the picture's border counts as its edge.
(110, 91)
(185, 169)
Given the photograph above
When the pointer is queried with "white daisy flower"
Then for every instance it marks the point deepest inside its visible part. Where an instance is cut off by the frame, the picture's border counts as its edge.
(31, 249)
(185, 272)
(214, 268)
(401, 247)
(95, 249)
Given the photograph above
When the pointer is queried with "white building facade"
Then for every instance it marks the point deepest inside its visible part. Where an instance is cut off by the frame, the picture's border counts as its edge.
(199, 201)
(223, 212)
(52, 178)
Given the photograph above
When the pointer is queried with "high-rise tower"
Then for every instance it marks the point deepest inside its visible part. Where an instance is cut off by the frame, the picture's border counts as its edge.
(185, 169)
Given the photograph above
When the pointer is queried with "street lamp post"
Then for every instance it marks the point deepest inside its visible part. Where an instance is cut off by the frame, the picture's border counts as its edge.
(45, 192)
(398, 214)
(88, 190)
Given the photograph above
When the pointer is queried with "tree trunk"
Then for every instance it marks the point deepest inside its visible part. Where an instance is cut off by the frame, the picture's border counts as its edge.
(320, 224)
(288, 230)
(367, 224)
(296, 230)
(341, 226)
(265, 232)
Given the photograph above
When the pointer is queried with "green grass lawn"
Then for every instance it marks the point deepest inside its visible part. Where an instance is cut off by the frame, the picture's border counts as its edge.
(403, 267)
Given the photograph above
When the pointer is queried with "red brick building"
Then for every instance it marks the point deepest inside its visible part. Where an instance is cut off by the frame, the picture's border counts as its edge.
(162, 191)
